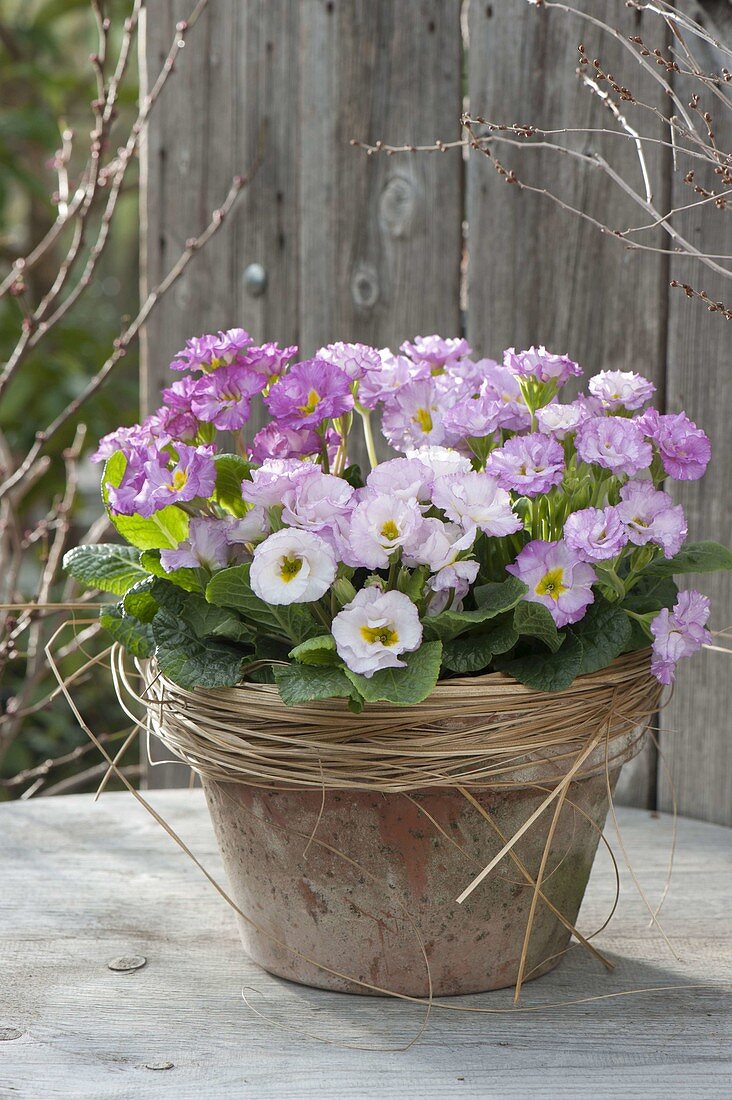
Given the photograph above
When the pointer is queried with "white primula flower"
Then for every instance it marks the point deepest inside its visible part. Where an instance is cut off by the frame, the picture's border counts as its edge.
(292, 566)
(475, 500)
(441, 460)
(380, 525)
(374, 628)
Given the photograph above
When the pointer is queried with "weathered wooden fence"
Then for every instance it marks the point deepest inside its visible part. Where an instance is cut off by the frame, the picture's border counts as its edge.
(379, 249)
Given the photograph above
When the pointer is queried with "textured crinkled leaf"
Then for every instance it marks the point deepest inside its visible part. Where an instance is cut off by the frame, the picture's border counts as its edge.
(604, 631)
(304, 683)
(107, 566)
(188, 660)
(402, 686)
(494, 600)
(473, 652)
(535, 620)
(231, 588)
(135, 636)
(320, 650)
(139, 601)
(651, 594)
(695, 557)
(548, 671)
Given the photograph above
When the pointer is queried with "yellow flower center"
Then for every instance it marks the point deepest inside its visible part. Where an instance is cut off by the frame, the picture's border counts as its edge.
(289, 568)
(311, 404)
(423, 417)
(383, 634)
(178, 480)
(551, 584)
(390, 530)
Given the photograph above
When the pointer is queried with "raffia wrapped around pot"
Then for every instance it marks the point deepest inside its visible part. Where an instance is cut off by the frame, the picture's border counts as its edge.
(481, 731)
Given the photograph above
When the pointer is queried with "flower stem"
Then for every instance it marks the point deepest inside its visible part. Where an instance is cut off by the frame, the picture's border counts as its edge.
(368, 435)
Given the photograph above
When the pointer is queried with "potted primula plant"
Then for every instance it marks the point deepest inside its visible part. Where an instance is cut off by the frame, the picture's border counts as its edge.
(389, 678)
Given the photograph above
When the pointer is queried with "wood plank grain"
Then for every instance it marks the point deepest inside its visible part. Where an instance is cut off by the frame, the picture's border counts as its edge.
(381, 237)
(696, 724)
(85, 883)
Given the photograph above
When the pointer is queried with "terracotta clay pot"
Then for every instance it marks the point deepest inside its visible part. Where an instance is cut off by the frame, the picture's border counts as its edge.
(363, 913)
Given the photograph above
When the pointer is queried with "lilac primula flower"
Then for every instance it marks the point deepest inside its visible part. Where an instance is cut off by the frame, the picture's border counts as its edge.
(679, 633)
(434, 350)
(394, 372)
(649, 515)
(540, 364)
(685, 449)
(128, 440)
(477, 417)
(206, 546)
(354, 359)
(277, 441)
(413, 417)
(311, 391)
(558, 420)
(322, 504)
(557, 578)
(149, 483)
(223, 397)
(441, 549)
(528, 464)
(273, 478)
(475, 500)
(249, 528)
(595, 534)
(615, 443)
(380, 526)
(269, 359)
(407, 478)
(619, 389)
(209, 352)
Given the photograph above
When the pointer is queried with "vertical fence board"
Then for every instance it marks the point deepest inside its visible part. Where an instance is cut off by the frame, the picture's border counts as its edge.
(537, 274)
(695, 737)
(381, 238)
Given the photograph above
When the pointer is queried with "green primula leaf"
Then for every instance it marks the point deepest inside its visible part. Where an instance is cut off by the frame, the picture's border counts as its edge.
(208, 621)
(161, 531)
(316, 651)
(139, 601)
(548, 671)
(297, 621)
(492, 599)
(106, 566)
(402, 686)
(231, 470)
(168, 595)
(471, 653)
(605, 631)
(188, 579)
(536, 620)
(135, 636)
(190, 661)
(651, 594)
(695, 557)
(231, 588)
(474, 652)
(500, 595)
(304, 683)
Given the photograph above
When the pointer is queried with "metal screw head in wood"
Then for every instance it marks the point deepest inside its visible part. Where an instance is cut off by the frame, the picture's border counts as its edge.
(127, 962)
(255, 280)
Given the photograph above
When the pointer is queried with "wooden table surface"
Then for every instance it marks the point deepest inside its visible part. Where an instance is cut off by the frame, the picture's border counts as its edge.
(84, 884)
